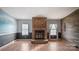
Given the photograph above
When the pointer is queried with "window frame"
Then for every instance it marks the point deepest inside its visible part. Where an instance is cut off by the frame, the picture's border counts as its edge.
(53, 29)
(23, 30)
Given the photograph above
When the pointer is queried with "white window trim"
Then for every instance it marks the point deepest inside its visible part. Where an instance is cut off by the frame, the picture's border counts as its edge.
(24, 30)
(52, 29)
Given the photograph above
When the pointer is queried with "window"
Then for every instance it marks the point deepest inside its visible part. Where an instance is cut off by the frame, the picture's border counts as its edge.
(53, 29)
(24, 29)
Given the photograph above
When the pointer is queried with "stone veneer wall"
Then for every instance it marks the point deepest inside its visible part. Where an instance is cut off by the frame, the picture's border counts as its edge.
(70, 28)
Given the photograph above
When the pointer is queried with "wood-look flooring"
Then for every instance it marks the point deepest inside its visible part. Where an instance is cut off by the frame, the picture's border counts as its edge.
(26, 45)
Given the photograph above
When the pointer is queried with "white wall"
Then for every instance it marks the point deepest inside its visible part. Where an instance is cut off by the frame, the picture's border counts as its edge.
(29, 12)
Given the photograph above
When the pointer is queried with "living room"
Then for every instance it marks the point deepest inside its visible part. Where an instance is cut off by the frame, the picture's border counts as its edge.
(39, 28)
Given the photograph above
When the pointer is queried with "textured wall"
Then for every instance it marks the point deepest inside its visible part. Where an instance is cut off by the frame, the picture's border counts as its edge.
(7, 28)
(70, 28)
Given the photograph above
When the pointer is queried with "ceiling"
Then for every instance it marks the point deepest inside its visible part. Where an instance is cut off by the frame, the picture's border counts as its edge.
(29, 12)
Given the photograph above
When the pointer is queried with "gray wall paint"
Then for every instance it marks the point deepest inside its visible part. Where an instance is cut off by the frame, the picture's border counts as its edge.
(71, 28)
(7, 28)
(20, 22)
(58, 22)
(29, 22)
(5, 39)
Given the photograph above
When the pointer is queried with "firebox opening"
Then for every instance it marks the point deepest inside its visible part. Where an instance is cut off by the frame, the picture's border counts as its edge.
(39, 34)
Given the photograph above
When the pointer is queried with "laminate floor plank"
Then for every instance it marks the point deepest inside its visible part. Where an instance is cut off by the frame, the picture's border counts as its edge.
(26, 45)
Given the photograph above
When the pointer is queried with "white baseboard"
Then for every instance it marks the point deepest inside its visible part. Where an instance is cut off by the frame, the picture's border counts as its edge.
(7, 44)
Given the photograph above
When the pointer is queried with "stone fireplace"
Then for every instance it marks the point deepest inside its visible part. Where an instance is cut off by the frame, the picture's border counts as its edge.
(39, 30)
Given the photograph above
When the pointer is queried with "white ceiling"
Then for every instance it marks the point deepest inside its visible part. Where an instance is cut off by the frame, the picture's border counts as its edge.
(29, 12)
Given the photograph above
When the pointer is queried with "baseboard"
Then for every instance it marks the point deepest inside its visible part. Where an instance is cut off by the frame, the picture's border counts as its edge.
(7, 44)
